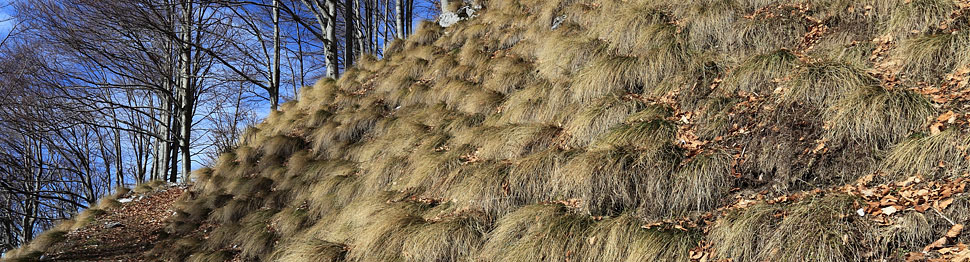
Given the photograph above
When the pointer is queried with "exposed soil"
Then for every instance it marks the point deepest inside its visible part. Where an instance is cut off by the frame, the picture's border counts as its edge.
(124, 233)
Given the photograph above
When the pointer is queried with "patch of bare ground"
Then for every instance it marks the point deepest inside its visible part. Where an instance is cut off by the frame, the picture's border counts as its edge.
(123, 233)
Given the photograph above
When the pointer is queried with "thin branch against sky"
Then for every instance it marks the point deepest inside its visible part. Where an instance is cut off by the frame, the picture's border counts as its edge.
(7, 23)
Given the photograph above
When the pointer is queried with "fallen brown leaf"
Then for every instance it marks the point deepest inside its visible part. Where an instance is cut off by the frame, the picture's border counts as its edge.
(943, 204)
(936, 244)
(954, 231)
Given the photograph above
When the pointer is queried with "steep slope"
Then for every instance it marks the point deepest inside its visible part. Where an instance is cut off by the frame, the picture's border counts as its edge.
(575, 130)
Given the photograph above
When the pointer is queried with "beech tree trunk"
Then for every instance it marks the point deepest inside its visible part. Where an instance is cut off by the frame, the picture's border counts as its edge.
(274, 92)
(331, 34)
(188, 90)
(399, 18)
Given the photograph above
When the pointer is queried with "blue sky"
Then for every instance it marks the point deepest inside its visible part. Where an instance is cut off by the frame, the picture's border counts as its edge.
(5, 25)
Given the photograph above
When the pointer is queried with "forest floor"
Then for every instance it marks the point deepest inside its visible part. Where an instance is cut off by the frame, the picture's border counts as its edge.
(123, 233)
(128, 231)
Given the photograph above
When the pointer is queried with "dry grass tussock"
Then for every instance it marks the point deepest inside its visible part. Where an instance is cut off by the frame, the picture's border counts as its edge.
(817, 229)
(539, 232)
(939, 155)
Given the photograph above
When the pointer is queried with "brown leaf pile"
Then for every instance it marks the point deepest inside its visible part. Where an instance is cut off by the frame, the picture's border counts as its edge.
(139, 221)
(912, 194)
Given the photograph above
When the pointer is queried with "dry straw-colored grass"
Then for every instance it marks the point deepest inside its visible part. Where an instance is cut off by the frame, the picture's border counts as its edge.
(939, 155)
(766, 33)
(823, 83)
(516, 140)
(877, 117)
(453, 146)
(760, 74)
(598, 117)
(508, 74)
(906, 17)
(928, 57)
(565, 52)
(817, 229)
(451, 240)
(708, 23)
(480, 187)
(311, 250)
(209, 256)
(540, 232)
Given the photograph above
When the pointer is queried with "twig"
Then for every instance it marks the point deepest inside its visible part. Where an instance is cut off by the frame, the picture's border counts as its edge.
(944, 217)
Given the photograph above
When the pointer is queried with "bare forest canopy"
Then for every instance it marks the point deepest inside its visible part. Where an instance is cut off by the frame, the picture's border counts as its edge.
(582, 130)
(101, 94)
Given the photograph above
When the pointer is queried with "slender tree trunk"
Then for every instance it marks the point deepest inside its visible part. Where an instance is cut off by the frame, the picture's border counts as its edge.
(140, 143)
(274, 94)
(119, 169)
(104, 151)
(385, 19)
(300, 54)
(358, 30)
(173, 137)
(138, 146)
(371, 25)
(350, 31)
(36, 167)
(331, 8)
(409, 10)
(9, 236)
(143, 166)
(188, 90)
(173, 156)
(185, 146)
(155, 164)
(35, 206)
(145, 158)
(87, 180)
(28, 221)
(163, 157)
(399, 18)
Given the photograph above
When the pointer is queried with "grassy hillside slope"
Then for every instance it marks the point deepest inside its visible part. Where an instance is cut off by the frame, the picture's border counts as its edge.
(577, 130)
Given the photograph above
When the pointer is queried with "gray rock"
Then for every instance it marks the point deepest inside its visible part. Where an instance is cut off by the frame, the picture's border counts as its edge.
(556, 22)
(447, 19)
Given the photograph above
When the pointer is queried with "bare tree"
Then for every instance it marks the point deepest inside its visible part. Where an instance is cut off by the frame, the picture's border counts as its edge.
(49, 165)
(187, 86)
(126, 91)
